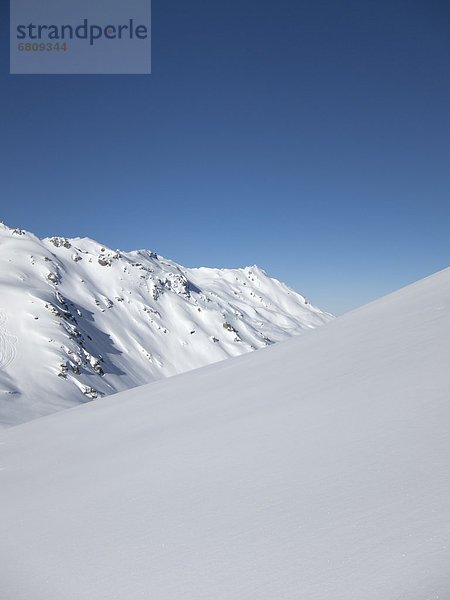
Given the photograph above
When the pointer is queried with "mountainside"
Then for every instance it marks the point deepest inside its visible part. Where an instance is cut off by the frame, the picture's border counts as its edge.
(78, 320)
(316, 468)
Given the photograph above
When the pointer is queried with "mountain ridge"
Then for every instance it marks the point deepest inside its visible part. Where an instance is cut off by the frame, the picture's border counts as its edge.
(79, 320)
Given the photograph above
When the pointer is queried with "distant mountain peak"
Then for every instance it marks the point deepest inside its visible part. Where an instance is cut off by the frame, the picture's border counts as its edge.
(79, 320)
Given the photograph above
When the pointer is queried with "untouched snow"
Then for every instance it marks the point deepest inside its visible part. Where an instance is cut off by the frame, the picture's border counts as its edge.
(78, 320)
(317, 469)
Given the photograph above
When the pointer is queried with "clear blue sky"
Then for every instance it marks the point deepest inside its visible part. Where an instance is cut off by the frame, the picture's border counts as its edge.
(311, 138)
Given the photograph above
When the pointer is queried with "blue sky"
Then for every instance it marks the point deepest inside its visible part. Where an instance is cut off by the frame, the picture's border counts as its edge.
(311, 138)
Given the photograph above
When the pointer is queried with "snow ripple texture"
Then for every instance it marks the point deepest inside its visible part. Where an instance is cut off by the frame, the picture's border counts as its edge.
(7, 344)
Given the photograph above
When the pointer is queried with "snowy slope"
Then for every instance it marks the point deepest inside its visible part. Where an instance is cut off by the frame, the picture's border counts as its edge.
(317, 468)
(78, 320)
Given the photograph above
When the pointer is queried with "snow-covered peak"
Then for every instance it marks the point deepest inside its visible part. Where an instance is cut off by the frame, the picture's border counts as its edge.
(79, 320)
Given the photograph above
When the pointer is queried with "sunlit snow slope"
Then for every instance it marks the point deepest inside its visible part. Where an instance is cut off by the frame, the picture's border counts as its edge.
(315, 469)
(78, 320)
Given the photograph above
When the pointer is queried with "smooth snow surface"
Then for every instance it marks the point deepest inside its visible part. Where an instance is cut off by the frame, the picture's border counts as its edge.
(79, 321)
(316, 469)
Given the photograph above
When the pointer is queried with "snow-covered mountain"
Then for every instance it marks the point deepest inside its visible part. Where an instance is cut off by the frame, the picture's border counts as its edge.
(79, 320)
(316, 468)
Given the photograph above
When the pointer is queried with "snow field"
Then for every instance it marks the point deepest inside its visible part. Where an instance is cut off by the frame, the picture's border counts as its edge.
(314, 468)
